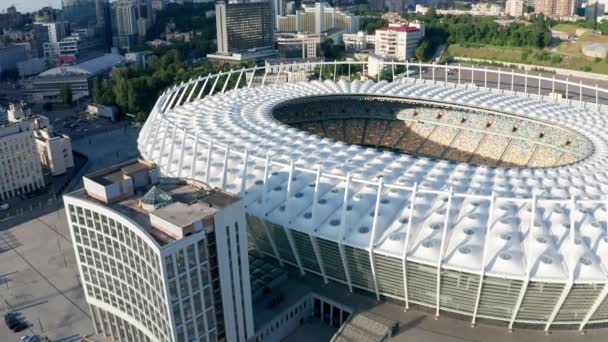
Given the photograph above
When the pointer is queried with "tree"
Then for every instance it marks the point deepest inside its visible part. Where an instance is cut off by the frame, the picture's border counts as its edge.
(97, 91)
(66, 94)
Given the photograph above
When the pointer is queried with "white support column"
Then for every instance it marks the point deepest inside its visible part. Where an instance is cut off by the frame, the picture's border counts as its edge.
(498, 83)
(372, 239)
(290, 240)
(539, 83)
(349, 71)
(567, 89)
(393, 70)
(252, 77)
(512, 81)
(472, 75)
(313, 240)
(321, 72)
(406, 245)
(553, 88)
(226, 82)
(181, 97)
(485, 78)
(208, 166)
(558, 305)
(276, 79)
(407, 70)
(272, 243)
(182, 149)
(238, 80)
(193, 163)
(570, 282)
(193, 90)
(264, 78)
(244, 175)
(200, 93)
(529, 266)
(225, 168)
(580, 92)
(598, 301)
(419, 70)
(343, 225)
(170, 94)
(335, 69)
(459, 71)
(441, 250)
(162, 144)
(484, 258)
(176, 96)
(433, 72)
(265, 184)
(217, 77)
(445, 74)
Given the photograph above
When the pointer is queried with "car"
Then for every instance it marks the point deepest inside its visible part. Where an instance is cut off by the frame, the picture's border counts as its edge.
(3, 207)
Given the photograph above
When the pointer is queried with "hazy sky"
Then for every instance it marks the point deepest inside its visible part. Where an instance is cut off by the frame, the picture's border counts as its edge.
(29, 5)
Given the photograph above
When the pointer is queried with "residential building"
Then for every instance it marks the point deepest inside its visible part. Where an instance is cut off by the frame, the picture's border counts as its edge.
(20, 168)
(300, 45)
(47, 86)
(51, 32)
(399, 41)
(54, 150)
(78, 44)
(318, 18)
(514, 8)
(360, 41)
(487, 9)
(79, 13)
(161, 259)
(555, 8)
(593, 10)
(131, 20)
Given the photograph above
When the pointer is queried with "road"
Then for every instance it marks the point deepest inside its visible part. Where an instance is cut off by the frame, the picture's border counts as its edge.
(519, 83)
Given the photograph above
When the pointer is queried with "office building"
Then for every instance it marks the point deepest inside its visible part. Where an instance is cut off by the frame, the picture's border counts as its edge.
(360, 41)
(243, 26)
(555, 8)
(131, 20)
(20, 168)
(300, 45)
(49, 32)
(80, 43)
(79, 13)
(399, 41)
(318, 18)
(593, 10)
(104, 22)
(47, 86)
(161, 259)
(514, 8)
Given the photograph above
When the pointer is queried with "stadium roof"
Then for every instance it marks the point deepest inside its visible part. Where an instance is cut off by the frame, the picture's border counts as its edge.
(91, 67)
(509, 222)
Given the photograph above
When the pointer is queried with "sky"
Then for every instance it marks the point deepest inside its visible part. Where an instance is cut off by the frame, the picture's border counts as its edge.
(29, 5)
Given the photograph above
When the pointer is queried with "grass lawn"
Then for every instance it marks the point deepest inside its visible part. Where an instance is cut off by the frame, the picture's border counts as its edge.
(569, 28)
(515, 55)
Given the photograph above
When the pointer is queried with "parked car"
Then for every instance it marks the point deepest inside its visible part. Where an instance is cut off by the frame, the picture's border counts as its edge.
(4, 206)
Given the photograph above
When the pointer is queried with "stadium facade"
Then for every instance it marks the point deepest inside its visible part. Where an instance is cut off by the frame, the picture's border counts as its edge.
(480, 201)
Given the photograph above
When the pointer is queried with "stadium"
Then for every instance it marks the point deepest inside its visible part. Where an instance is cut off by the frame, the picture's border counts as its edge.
(481, 199)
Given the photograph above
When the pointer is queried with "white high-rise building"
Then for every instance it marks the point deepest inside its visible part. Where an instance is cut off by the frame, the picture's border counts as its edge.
(318, 18)
(161, 259)
(399, 41)
(514, 8)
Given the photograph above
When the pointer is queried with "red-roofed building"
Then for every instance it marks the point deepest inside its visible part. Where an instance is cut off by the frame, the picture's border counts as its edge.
(399, 41)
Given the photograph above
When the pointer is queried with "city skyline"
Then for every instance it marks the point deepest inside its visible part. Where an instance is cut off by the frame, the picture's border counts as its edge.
(33, 5)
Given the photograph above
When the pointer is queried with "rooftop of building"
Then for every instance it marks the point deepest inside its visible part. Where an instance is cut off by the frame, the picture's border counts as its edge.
(91, 67)
(180, 202)
(400, 28)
